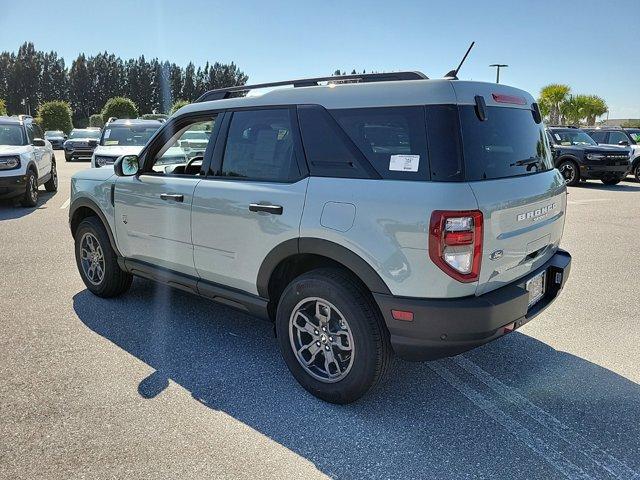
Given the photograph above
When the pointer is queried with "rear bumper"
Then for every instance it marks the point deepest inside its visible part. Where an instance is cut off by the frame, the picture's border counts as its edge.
(12, 186)
(446, 327)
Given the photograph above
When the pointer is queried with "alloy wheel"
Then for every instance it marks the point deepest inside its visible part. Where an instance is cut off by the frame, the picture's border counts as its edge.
(568, 172)
(321, 340)
(92, 258)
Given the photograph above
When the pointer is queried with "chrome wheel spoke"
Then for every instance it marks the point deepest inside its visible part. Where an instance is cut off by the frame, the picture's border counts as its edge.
(308, 327)
(323, 312)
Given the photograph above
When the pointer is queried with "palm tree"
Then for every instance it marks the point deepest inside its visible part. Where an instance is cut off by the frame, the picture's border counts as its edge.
(551, 98)
(595, 106)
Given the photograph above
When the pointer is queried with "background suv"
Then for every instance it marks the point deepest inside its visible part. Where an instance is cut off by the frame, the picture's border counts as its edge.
(621, 137)
(579, 157)
(128, 137)
(26, 161)
(396, 215)
(81, 143)
(56, 138)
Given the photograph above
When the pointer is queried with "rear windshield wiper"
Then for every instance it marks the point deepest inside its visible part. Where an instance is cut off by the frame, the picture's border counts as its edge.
(528, 161)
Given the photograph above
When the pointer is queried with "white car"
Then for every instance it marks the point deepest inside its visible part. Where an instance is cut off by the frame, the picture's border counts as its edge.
(26, 161)
(128, 137)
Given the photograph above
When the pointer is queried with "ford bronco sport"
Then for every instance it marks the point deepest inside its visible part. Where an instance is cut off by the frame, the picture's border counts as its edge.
(578, 157)
(26, 161)
(389, 215)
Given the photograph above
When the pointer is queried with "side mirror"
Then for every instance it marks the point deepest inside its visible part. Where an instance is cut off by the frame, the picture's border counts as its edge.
(624, 143)
(38, 142)
(92, 143)
(126, 165)
(65, 137)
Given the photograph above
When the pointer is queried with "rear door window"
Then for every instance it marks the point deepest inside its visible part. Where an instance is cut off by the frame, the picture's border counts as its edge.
(260, 146)
(507, 143)
(393, 139)
(616, 137)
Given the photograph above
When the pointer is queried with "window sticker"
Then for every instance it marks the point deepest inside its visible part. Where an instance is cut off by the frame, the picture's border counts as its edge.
(557, 136)
(404, 163)
(107, 133)
(108, 143)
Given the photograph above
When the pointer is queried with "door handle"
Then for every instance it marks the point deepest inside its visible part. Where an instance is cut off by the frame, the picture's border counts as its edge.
(172, 196)
(259, 207)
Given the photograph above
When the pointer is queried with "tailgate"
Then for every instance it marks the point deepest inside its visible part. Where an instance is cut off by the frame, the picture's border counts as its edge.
(523, 224)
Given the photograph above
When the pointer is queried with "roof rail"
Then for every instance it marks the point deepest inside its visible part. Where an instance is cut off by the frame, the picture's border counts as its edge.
(221, 93)
(563, 126)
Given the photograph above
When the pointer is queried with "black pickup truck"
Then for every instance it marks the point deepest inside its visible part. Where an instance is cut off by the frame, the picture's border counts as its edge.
(579, 157)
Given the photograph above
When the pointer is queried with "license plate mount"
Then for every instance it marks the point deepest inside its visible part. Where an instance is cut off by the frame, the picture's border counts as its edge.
(536, 287)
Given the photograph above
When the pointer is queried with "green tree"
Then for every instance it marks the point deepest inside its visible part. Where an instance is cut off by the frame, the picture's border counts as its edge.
(189, 84)
(178, 105)
(23, 80)
(81, 86)
(3, 107)
(551, 99)
(119, 107)
(96, 120)
(595, 106)
(55, 115)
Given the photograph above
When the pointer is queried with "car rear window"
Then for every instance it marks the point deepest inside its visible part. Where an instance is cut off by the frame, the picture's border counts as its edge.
(393, 139)
(506, 144)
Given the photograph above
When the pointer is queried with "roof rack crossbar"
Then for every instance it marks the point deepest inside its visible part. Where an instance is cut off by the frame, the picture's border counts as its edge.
(222, 93)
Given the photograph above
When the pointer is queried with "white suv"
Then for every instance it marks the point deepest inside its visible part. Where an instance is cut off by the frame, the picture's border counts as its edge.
(26, 161)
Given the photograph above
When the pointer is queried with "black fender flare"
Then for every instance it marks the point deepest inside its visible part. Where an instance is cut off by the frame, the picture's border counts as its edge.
(88, 203)
(325, 248)
(568, 156)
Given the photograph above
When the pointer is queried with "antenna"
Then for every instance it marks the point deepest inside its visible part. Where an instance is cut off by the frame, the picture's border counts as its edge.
(454, 73)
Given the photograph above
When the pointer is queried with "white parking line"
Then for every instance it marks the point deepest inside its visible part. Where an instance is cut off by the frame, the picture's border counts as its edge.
(65, 204)
(601, 458)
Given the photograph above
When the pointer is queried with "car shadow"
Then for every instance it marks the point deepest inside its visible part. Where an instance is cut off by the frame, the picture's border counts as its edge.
(515, 408)
(10, 208)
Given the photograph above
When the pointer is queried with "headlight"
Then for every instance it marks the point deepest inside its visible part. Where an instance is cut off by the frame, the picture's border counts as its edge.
(102, 161)
(9, 163)
(595, 156)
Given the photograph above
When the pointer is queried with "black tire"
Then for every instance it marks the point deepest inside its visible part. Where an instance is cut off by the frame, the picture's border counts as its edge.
(52, 184)
(114, 281)
(30, 197)
(372, 353)
(636, 171)
(68, 158)
(570, 171)
(611, 180)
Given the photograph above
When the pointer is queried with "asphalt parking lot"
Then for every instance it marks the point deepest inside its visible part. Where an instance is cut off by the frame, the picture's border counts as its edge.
(161, 384)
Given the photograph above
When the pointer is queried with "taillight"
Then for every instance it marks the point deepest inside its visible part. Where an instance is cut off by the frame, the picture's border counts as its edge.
(455, 243)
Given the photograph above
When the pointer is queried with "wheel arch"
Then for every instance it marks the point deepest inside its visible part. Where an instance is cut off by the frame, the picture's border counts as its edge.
(299, 255)
(82, 208)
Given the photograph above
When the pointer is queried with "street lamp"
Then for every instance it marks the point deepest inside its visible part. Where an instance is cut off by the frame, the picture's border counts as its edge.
(498, 67)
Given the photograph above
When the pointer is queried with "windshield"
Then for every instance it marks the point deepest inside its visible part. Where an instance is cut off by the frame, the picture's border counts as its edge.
(128, 135)
(85, 134)
(53, 133)
(572, 137)
(11, 135)
(635, 134)
(506, 144)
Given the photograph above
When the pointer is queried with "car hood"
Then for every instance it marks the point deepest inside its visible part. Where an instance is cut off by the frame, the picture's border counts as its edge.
(116, 151)
(97, 174)
(594, 148)
(53, 138)
(14, 149)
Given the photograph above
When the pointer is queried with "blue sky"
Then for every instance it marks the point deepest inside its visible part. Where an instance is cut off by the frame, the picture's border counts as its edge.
(593, 46)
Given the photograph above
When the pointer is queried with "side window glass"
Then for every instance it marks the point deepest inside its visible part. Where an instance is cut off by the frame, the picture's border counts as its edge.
(326, 146)
(184, 153)
(260, 146)
(599, 137)
(30, 136)
(393, 139)
(617, 137)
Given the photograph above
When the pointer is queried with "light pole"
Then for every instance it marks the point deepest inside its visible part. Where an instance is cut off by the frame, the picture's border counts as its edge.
(498, 67)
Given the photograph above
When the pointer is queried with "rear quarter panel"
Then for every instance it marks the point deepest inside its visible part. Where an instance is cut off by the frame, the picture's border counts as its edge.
(389, 228)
